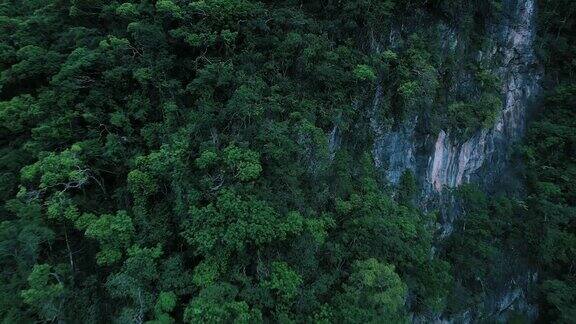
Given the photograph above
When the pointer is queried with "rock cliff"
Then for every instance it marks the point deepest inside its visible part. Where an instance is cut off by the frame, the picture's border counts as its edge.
(444, 160)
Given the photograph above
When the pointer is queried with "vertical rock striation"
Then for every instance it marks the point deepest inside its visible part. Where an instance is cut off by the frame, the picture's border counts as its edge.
(446, 161)
(484, 155)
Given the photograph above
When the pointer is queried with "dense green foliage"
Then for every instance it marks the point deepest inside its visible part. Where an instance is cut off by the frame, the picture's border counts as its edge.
(538, 231)
(550, 154)
(486, 248)
(168, 161)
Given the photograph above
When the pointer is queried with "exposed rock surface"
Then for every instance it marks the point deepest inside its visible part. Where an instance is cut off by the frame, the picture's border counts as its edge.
(483, 156)
(446, 161)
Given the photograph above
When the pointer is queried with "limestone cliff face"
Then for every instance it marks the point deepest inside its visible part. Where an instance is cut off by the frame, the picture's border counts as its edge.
(446, 161)
(443, 160)
(483, 155)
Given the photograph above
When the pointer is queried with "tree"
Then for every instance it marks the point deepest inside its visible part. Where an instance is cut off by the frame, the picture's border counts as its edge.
(407, 189)
(373, 293)
(45, 292)
(170, 160)
(217, 304)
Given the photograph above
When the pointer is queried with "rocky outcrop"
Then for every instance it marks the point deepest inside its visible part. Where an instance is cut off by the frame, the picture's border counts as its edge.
(444, 160)
(447, 161)
(484, 155)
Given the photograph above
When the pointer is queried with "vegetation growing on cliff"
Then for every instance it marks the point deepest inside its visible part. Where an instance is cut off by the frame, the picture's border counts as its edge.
(550, 155)
(167, 160)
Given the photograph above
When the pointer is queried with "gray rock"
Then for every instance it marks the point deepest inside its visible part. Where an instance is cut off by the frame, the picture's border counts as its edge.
(445, 161)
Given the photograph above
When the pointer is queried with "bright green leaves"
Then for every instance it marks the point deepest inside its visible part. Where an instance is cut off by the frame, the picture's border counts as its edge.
(237, 225)
(218, 24)
(45, 292)
(166, 302)
(383, 226)
(228, 37)
(141, 183)
(217, 304)
(127, 10)
(164, 305)
(374, 293)
(244, 161)
(62, 171)
(479, 111)
(143, 75)
(284, 281)
(364, 73)
(233, 223)
(60, 206)
(318, 227)
(208, 271)
(419, 78)
(19, 113)
(409, 92)
(467, 117)
(168, 7)
(141, 263)
(241, 163)
(195, 39)
(207, 159)
(330, 67)
(374, 226)
(389, 56)
(114, 233)
(113, 46)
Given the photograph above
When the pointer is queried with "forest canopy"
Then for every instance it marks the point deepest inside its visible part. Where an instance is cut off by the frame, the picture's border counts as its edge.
(169, 161)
